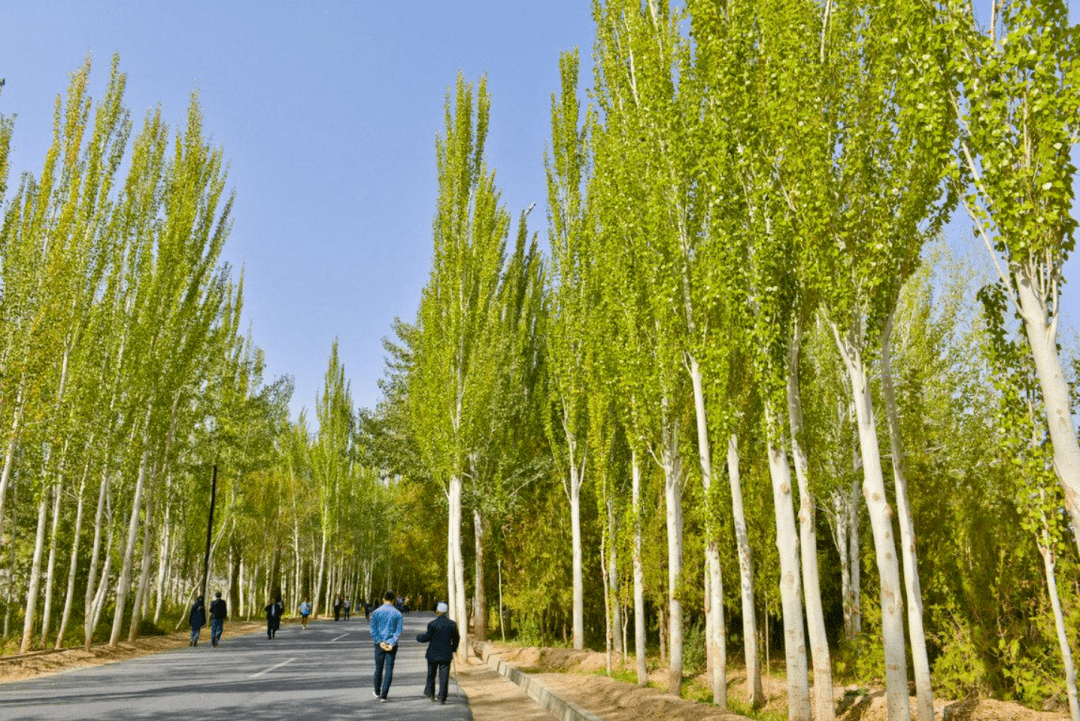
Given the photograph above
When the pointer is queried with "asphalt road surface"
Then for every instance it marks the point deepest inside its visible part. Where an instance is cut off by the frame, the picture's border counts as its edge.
(323, 672)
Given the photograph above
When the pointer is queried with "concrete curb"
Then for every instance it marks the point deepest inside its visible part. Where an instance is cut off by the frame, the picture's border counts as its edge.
(562, 710)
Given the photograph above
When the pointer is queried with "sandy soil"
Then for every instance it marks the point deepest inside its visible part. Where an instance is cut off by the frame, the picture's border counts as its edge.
(576, 676)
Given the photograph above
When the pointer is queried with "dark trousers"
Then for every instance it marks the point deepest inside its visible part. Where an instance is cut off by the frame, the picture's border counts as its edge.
(384, 670)
(443, 667)
(217, 625)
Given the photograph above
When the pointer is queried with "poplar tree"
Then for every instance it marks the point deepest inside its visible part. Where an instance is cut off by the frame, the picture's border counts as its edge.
(1018, 113)
(470, 229)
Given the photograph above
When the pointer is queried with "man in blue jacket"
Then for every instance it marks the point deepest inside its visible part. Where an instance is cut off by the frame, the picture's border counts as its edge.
(443, 638)
(386, 627)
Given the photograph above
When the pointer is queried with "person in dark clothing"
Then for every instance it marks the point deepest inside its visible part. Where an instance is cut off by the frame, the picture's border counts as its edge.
(338, 605)
(197, 619)
(218, 613)
(442, 638)
(273, 617)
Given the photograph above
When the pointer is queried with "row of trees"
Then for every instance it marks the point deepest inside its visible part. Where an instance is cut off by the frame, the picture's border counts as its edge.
(126, 384)
(739, 268)
(738, 228)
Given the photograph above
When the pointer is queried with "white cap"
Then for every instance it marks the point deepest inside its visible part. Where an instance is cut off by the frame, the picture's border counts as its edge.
(442, 607)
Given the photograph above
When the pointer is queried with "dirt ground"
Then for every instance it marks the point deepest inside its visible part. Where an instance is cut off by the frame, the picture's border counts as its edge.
(576, 676)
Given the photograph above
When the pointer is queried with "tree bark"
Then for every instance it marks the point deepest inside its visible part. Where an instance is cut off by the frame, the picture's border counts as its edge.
(917, 635)
(457, 568)
(754, 688)
(35, 575)
(50, 573)
(95, 555)
(1049, 562)
(715, 632)
(73, 566)
(639, 577)
(787, 544)
(613, 576)
(480, 629)
(1042, 336)
(123, 584)
(141, 593)
(577, 555)
(892, 603)
(673, 479)
(815, 615)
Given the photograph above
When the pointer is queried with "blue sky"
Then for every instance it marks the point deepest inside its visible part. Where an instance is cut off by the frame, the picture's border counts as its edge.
(328, 113)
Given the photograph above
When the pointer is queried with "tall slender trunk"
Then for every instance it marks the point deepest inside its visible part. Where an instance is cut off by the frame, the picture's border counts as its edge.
(1049, 562)
(815, 614)
(458, 602)
(1042, 336)
(69, 598)
(754, 689)
(577, 557)
(480, 596)
(917, 635)
(9, 454)
(321, 567)
(50, 573)
(892, 602)
(613, 575)
(787, 544)
(95, 555)
(639, 576)
(164, 557)
(35, 575)
(143, 590)
(715, 632)
(673, 479)
(123, 584)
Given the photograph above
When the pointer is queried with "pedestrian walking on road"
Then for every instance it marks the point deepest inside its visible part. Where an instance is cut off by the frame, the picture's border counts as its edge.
(348, 605)
(442, 638)
(218, 614)
(338, 605)
(305, 611)
(273, 617)
(386, 627)
(197, 619)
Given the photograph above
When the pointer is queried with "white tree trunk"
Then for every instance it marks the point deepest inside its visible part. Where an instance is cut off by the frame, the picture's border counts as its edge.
(787, 544)
(639, 577)
(480, 597)
(9, 455)
(892, 602)
(613, 577)
(715, 632)
(1042, 336)
(673, 479)
(164, 562)
(754, 689)
(35, 575)
(50, 573)
(321, 567)
(95, 555)
(1049, 562)
(917, 635)
(123, 584)
(577, 562)
(73, 566)
(854, 548)
(815, 615)
(458, 601)
(143, 590)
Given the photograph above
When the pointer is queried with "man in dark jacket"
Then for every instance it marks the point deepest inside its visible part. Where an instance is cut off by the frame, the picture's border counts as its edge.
(218, 614)
(442, 638)
(197, 619)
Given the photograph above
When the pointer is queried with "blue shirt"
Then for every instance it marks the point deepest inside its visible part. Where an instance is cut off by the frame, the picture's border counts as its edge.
(386, 624)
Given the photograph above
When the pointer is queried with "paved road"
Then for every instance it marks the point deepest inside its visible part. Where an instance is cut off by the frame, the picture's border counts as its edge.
(323, 672)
